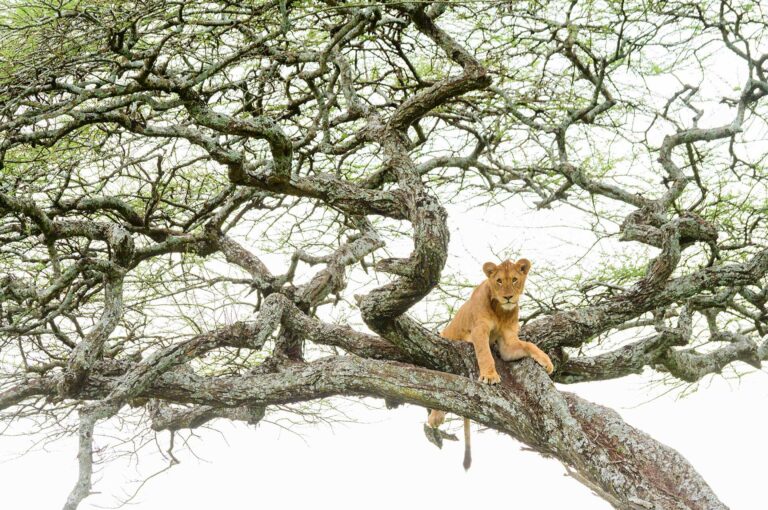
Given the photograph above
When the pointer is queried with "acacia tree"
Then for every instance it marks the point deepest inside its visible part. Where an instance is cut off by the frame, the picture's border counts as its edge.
(156, 153)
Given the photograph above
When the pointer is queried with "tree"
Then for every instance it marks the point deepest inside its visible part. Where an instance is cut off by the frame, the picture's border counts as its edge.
(155, 153)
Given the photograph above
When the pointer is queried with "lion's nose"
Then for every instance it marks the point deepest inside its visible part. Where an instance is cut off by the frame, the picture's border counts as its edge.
(509, 298)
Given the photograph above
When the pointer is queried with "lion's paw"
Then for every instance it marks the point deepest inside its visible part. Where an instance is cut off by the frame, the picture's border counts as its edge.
(489, 378)
(545, 362)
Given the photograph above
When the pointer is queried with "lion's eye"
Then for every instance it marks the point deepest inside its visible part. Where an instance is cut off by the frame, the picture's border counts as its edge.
(498, 281)
(514, 280)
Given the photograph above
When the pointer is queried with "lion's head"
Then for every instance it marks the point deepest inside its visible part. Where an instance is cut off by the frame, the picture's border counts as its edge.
(506, 281)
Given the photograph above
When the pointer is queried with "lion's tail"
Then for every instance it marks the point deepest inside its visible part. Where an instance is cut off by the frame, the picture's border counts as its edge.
(467, 446)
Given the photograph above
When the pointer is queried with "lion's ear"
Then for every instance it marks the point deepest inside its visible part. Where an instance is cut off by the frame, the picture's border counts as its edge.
(488, 268)
(523, 265)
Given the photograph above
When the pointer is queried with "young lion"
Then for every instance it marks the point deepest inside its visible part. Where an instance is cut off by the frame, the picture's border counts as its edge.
(490, 316)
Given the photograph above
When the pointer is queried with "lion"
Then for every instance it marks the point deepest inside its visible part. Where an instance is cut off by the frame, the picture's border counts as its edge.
(489, 317)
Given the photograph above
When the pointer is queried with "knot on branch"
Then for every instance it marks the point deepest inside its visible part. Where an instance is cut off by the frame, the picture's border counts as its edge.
(679, 335)
(400, 267)
(121, 242)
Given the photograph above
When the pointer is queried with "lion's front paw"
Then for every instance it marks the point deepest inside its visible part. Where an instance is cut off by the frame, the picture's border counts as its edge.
(545, 362)
(490, 377)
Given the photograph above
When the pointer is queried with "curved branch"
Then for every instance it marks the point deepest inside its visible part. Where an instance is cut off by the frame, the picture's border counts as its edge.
(91, 348)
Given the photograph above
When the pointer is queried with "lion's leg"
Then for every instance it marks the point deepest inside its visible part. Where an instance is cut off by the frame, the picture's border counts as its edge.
(451, 332)
(479, 338)
(512, 349)
(436, 418)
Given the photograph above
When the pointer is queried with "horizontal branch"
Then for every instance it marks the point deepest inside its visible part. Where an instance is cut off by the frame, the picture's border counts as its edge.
(574, 327)
(690, 365)
(619, 462)
(177, 418)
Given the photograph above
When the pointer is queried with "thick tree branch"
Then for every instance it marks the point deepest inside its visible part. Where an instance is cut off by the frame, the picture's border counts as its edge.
(526, 406)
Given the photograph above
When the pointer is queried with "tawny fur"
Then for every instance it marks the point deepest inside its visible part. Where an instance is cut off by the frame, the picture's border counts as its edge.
(489, 317)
